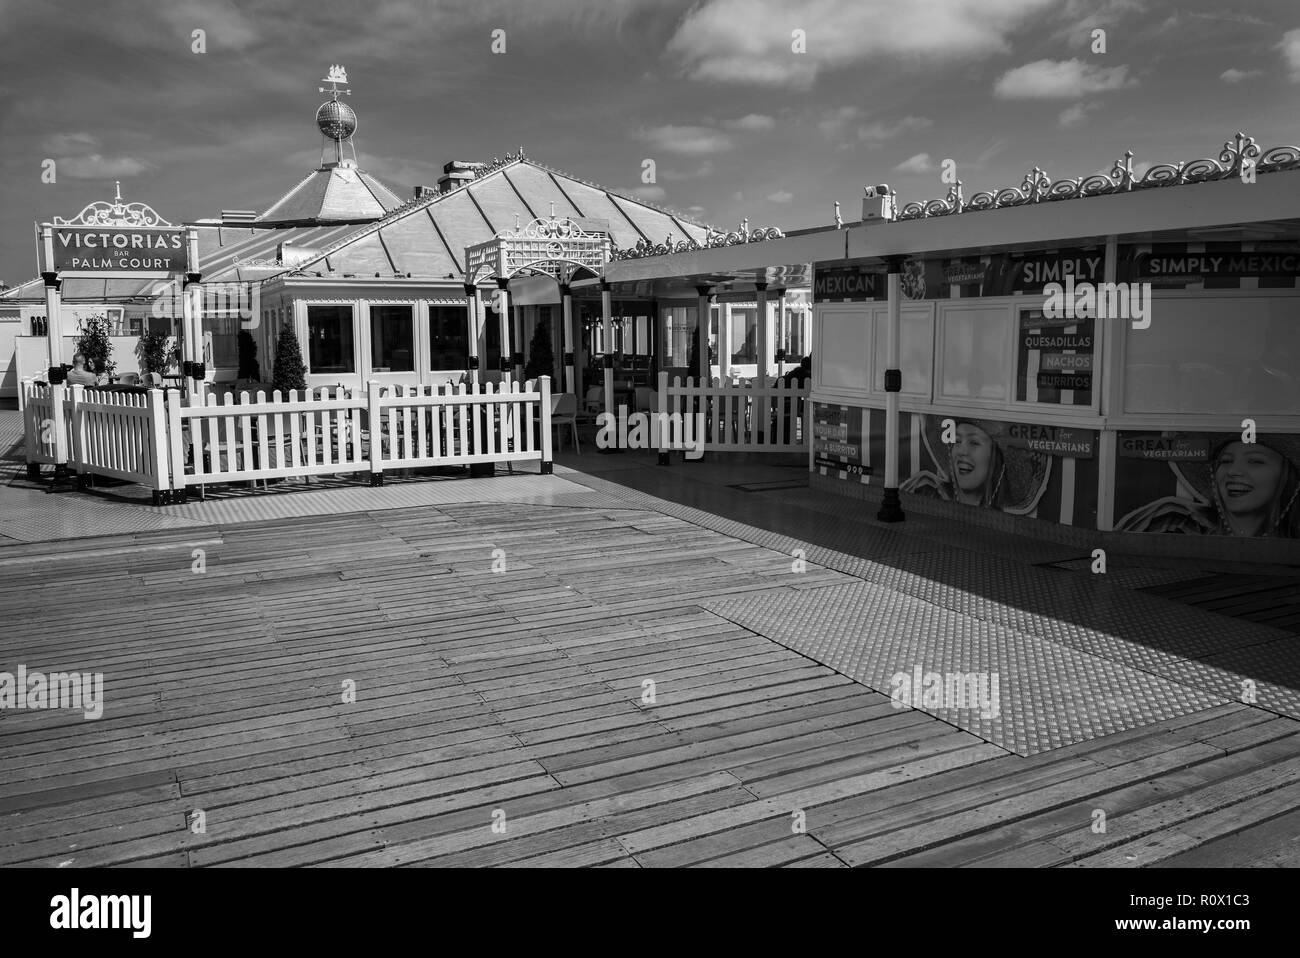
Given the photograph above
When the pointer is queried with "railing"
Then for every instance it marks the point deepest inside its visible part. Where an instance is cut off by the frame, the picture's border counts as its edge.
(740, 418)
(46, 437)
(119, 434)
(381, 428)
(156, 440)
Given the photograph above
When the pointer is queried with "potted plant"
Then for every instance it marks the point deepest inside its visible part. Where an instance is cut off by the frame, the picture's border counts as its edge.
(95, 344)
(289, 373)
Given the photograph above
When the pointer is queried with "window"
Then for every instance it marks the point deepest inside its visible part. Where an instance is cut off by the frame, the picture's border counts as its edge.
(1210, 354)
(976, 354)
(224, 333)
(845, 347)
(329, 336)
(392, 339)
(449, 337)
(915, 349)
(744, 334)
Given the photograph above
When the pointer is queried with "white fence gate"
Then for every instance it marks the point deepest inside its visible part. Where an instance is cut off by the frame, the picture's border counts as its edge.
(740, 418)
(156, 440)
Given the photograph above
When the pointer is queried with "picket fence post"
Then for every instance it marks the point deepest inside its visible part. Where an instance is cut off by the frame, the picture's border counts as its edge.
(548, 465)
(373, 414)
(159, 459)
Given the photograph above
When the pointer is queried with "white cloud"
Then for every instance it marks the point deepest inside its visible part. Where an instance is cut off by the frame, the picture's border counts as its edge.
(780, 196)
(97, 167)
(58, 143)
(1084, 16)
(878, 132)
(916, 164)
(1072, 116)
(686, 140)
(1059, 79)
(1291, 53)
(750, 123)
(701, 171)
(652, 193)
(750, 41)
(834, 123)
(1233, 75)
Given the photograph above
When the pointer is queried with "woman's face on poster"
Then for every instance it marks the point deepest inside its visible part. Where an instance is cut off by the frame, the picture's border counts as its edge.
(972, 457)
(1248, 477)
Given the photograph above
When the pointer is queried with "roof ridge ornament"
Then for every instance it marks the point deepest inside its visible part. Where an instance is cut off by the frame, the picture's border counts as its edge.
(1038, 187)
(115, 213)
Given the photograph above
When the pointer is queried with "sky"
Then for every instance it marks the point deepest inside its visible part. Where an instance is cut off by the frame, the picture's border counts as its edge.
(770, 110)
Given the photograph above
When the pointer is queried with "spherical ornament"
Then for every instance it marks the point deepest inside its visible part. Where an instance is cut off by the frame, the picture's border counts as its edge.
(336, 120)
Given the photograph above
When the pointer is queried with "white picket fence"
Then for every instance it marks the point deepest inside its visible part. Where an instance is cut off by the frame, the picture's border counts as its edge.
(98, 433)
(740, 418)
(157, 440)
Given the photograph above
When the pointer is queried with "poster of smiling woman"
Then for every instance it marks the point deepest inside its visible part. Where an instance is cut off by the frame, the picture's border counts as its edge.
(981, 462)
(1208, 484)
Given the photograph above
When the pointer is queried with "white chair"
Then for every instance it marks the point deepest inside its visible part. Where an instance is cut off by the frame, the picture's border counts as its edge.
(595, 401)
(564, 412)
(154, 381)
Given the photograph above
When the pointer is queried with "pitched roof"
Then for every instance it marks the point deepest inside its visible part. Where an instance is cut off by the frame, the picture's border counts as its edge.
(427, 237)
(337, 193)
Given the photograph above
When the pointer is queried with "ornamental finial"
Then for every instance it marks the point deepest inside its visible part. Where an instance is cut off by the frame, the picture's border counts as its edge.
(119, 191)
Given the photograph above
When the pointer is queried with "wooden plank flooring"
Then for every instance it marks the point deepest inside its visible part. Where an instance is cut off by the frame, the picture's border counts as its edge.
(520, 697)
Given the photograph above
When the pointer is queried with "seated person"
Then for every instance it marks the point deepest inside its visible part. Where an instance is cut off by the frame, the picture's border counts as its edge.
(800, 375)
(79, 375)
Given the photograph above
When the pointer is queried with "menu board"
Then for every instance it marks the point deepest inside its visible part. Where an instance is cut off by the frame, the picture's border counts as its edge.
(1054, 359)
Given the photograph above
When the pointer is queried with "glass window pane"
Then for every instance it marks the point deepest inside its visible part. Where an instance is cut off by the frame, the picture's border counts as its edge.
(915, 350)
(392, 338)
(329, 340)
(449, 338)
(1224, 354)
(845, 347)
(976, 352)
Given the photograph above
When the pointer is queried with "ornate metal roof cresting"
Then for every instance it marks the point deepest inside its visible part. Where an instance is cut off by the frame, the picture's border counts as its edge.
(713, 239)
(1038, 187)
(116, 213)
(553, 245)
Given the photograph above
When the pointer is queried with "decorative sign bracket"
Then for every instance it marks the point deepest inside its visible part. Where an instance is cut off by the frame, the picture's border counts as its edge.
(116, 213)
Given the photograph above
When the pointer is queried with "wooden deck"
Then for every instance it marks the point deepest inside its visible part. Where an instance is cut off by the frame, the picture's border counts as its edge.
(517, 696)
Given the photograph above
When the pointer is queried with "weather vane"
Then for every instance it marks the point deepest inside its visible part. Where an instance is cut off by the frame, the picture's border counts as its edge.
(336, 76)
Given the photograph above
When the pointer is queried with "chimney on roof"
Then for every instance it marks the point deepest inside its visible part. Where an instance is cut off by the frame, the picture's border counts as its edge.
(457, 172)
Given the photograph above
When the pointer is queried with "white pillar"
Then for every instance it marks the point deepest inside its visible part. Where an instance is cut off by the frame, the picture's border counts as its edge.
(192, 324)
(702, 311)
(53, 320)
(518, 351)
(503, 302)
(473, 324)
(607, 333)
(782, 335)
(891, 508)
(762, 346)
(724, 342)
(566, 300)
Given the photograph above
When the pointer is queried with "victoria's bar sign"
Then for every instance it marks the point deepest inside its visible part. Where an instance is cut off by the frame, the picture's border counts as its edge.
(94, 249)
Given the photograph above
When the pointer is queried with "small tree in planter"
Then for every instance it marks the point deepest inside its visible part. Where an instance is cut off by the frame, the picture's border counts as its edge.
(248, 365)
(541, 357)
(94, 343)
(153, 353)
(290, 374)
